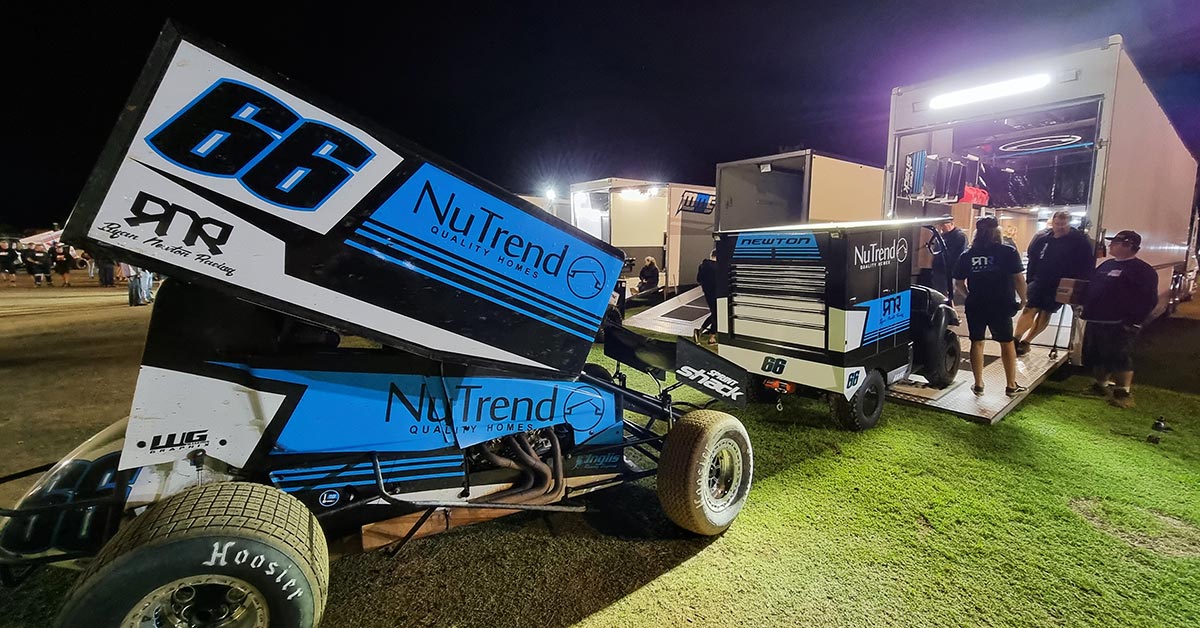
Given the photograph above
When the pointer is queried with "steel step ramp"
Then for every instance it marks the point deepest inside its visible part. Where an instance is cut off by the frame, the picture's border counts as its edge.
(957, 398)
(678, 316)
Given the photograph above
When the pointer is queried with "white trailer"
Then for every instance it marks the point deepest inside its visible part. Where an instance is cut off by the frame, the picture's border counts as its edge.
(1078, 130)
(671, 222)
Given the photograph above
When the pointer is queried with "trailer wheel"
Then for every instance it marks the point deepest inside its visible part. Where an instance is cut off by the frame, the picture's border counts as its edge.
(945, 356)
(705, 471)
(863, 409)
(233, 554)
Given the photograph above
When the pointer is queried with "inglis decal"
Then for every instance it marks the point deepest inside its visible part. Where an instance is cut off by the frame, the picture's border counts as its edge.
(385, 412)
(874, 255)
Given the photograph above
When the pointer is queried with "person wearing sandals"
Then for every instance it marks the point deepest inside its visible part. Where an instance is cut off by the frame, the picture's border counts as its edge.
(991, 275)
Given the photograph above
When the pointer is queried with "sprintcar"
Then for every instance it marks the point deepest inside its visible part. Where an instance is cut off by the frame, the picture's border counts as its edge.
(256, 435)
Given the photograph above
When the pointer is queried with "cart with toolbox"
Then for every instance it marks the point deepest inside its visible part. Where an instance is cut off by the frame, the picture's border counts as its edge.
(831, 308)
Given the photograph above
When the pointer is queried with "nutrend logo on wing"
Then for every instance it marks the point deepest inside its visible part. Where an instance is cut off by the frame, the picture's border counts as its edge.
(440, 226)
(234, 130)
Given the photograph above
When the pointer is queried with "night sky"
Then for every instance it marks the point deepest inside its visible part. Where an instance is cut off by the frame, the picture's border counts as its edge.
(532, 94)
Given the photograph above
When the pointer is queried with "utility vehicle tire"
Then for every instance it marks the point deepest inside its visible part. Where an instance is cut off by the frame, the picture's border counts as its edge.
(705, 471)
(862, 411)
(597, 371)
(757, 392)
(248, 551)
(944, 357)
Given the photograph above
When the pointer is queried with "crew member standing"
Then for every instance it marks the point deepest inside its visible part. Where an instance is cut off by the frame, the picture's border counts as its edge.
(37, 264)
(706, 276)
(1055, 253)
(945, 259)
(989, 273)
(1121, 294)
(8, 263)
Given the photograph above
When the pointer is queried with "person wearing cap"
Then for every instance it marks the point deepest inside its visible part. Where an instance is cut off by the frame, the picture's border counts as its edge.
(1121, 294)
(946, 258)
(989, 273)
(1057, 252)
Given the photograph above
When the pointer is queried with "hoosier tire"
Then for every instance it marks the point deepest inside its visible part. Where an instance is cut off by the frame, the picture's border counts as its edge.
(863, 410)
(236, 555)
(705, 471)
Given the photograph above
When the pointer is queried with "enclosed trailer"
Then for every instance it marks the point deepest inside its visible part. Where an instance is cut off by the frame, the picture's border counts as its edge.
(796, 187)
(1077, 131)
(671, 222)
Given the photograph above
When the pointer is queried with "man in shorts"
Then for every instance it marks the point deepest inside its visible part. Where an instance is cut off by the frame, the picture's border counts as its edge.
(989, 273)
(8, 263)
(1058, 252)
(1121, 294)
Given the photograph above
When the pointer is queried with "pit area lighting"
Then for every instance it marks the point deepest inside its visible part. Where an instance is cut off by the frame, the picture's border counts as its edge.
(989, 91)
(551, 194)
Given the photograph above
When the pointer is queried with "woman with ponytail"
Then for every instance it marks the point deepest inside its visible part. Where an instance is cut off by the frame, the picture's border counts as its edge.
(990, 274)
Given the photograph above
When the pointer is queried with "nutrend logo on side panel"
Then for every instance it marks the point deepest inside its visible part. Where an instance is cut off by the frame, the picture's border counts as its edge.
(873, 255)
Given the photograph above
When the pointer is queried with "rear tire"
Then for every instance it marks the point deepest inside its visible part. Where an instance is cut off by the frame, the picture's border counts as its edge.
(861, 411)
(208, 555)
(944, 357)
(705, 471)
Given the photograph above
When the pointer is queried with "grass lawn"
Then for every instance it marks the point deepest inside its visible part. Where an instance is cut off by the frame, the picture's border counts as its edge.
(1062, 514)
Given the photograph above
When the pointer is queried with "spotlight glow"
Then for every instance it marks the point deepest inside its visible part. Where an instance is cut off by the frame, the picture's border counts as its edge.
(989, 91)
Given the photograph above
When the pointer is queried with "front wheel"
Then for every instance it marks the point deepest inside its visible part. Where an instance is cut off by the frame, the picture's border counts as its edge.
(863, 409)
(235, 555)
(705, 471)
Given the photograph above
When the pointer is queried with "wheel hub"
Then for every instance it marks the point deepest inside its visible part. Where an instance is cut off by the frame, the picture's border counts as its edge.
(724, 475)
(205, 601)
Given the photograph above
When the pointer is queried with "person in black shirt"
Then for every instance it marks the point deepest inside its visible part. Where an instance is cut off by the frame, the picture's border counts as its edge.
(989, 273)
(706, 276)
(1121, 294)
(8, 263)
(1055, 253)
(648, 276)
(64, 259)
(946, 259)
(37, 264)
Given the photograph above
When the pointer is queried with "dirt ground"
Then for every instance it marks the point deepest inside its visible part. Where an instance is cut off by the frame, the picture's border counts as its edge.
(68, 364)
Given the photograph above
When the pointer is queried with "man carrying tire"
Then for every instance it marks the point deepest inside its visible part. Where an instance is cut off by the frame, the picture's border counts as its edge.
(1055, 253)
(1121, 294)
(990, 274)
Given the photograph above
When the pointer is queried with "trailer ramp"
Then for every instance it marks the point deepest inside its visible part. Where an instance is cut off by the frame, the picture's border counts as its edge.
(1032, 369)
(678, 316)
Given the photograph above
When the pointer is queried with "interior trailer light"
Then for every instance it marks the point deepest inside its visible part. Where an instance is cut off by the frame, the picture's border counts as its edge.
(989, 91)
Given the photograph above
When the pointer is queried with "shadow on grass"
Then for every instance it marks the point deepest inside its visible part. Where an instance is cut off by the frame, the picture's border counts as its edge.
(524, 570)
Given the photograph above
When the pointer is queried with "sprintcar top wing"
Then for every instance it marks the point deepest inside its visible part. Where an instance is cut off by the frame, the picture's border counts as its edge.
(228, 176)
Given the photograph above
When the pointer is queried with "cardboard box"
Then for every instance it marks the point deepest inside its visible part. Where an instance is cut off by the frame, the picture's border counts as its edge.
(1071, 291)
